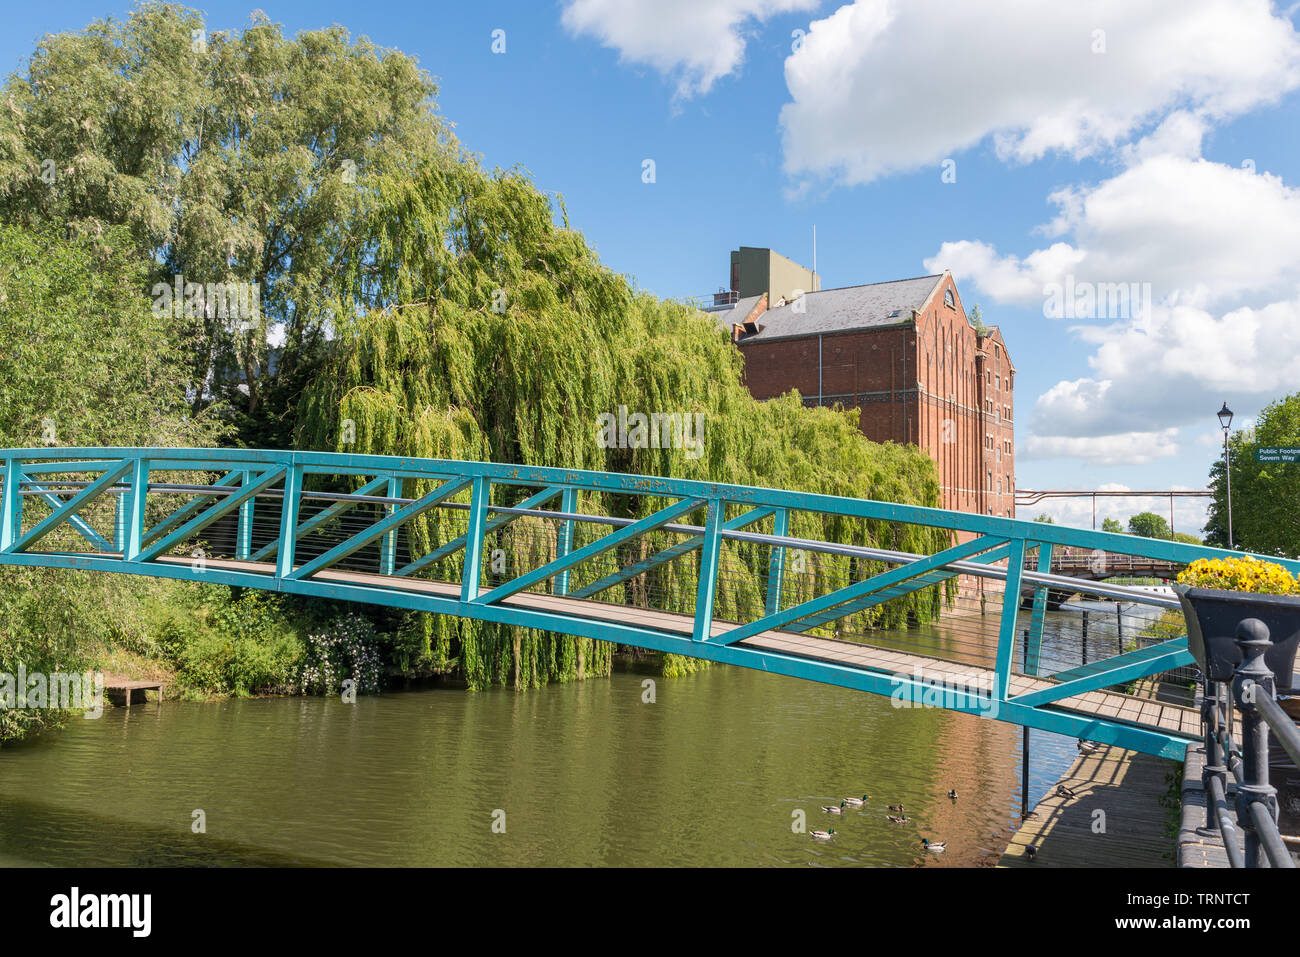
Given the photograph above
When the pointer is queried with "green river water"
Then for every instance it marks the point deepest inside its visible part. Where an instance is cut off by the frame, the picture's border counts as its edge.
(589, 773)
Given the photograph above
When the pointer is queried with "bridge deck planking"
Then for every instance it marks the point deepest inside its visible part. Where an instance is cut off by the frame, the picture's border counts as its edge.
(1110, 704)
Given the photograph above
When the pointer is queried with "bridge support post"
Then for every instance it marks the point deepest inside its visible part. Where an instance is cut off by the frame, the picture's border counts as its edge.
(708, 582)
(1034, 635)
(289, 521)
(480, 489)
(134, 539)
(1255, 796)
(244, 533)
(119, 521)
(1010, 608)
(388, 550)
(11, 515)
(776, 564)
(564, 541)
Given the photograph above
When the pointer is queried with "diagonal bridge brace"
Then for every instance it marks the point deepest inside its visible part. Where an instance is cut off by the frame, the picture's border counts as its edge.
(363, 538)
(269, 549)
(601, 545)
(456, 544)
(54, 500)
(1139, 663)
(850, 592)
(936, 577)
(189, 508)
(214, 512)
(668, 554)
(72, 506)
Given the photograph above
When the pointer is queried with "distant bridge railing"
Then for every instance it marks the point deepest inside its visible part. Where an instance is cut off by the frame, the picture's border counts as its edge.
(782, 581)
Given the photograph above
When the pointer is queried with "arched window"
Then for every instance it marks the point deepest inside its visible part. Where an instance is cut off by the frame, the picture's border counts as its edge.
(949, 300)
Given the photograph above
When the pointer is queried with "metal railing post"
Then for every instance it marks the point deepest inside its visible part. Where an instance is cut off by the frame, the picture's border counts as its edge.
(1252, 678)
(11, 516)
(776, 563)
(1214, 766)
(244, 528)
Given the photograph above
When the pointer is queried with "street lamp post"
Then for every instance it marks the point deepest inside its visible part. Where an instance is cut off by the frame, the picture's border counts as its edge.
(1225, 420)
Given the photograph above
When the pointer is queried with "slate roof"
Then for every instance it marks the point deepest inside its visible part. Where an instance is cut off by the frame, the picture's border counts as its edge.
(836, 310)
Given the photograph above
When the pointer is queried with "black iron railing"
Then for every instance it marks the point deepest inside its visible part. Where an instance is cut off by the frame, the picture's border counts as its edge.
(1253, 695)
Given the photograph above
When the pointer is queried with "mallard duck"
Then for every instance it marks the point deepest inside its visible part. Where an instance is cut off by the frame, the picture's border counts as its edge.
(897, 820)
(934, 845)
(1030, 851)
(897, 807)
(1063, 791)
(822, 835)
(1088, 747)
(953, 794)
(833, 808)
(856, 802)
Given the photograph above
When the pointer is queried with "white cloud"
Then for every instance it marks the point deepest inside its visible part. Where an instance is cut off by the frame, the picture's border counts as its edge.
(696, 42)
(1199, 232)
(1121, 448)
(882, 86)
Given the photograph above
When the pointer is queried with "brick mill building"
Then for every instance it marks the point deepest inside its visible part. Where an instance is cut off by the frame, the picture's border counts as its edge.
(903, 352)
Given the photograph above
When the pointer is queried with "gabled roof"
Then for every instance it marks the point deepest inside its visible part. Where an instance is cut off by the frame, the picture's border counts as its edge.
(836, 310)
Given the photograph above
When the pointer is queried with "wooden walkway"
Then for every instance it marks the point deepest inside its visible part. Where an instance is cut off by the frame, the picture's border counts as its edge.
(1141, 712)
(128, 687)
(1126, 787)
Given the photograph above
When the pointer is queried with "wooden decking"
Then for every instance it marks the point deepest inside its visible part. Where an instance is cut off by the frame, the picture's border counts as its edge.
(127, 687)
(1140, 712)
(1131, 830)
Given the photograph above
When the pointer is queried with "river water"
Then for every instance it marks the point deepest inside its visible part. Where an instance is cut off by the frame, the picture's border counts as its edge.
(717, 770)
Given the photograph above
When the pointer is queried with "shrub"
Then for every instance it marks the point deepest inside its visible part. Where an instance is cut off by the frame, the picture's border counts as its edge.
(347, 648)
(1240, 574)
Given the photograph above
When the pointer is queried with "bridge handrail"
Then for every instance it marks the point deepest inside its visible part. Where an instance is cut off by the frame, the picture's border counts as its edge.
(1254, 696)
(412, 467)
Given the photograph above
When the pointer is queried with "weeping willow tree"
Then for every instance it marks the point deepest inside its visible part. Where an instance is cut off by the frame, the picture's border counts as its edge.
(468, 324)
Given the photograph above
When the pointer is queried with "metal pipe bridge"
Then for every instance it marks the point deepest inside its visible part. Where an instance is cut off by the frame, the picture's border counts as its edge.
(530, 546)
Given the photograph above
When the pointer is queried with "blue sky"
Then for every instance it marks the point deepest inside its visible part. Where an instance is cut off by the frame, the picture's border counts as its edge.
(1132, 144)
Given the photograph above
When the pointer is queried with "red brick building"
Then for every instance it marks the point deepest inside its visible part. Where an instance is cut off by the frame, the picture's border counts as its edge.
(904, 353)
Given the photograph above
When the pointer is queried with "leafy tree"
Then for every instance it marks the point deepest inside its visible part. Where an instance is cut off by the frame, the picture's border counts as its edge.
(1112, 525)
(86, 360)
(1045, 518)
(1264, 494)
(495, 333)
(232, 157)
(1149, 525)
(1186, 539)
(976, 317)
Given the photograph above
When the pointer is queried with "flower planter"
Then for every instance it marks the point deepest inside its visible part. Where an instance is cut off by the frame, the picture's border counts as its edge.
(1212, 617)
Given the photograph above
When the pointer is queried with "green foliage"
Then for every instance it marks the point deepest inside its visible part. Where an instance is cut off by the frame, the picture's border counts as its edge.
(1186, 539)
(1149, 525)
(223, 644)
(1046, 519)
(245, 157)
(1264, 516)
(494, 334)
(346, 650)
(85, 360)
(1112, 525)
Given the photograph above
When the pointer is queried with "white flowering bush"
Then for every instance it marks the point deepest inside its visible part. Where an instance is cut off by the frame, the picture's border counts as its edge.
(348, 648)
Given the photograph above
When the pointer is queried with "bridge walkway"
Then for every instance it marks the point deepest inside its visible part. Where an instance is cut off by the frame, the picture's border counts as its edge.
(1111, 705)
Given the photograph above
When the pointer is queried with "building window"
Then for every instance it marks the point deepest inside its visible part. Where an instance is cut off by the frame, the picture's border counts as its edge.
(948, 299)
(997, 351)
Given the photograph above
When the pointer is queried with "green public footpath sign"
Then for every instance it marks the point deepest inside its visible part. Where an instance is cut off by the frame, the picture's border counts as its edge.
(1276, 454)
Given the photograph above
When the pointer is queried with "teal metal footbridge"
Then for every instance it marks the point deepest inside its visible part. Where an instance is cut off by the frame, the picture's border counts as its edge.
(545, 548)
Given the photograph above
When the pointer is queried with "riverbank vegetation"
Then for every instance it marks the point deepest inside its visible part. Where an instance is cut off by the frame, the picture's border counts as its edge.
(410, 302)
